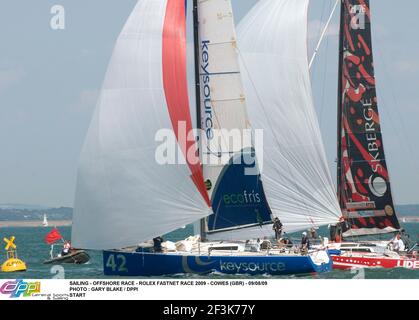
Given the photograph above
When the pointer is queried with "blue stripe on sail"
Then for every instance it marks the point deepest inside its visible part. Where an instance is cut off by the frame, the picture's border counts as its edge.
(238, 199)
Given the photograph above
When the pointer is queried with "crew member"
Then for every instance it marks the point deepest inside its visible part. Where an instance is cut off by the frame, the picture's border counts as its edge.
(277, 227)
(66, 248)
(157, 244)
(313, 233)
(397, 243)
(336, 231)
(305, 243)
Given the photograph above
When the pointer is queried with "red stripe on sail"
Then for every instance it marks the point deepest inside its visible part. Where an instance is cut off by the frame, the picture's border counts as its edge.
(176, 87)
(364, 44)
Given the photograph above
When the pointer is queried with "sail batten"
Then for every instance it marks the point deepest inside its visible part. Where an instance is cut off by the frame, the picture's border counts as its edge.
(364, 188)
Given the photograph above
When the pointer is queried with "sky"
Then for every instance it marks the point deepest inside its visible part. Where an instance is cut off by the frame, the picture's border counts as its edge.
(50, 81)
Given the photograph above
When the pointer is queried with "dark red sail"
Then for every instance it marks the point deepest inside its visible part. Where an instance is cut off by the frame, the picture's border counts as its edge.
(363, 179)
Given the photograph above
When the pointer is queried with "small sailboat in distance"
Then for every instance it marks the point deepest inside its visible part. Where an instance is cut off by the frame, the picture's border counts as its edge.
(45, 221)
(125, 197)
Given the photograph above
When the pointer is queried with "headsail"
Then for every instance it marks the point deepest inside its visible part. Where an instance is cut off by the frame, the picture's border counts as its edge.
(124, 196)
(274, 64)
(238, 198)
(363, 179)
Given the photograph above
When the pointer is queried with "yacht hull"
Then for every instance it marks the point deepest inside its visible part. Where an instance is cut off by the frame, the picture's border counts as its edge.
(370, 254)
(354, 261)
(156, 264)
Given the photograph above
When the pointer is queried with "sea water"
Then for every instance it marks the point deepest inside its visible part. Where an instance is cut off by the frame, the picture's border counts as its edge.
(34, 251)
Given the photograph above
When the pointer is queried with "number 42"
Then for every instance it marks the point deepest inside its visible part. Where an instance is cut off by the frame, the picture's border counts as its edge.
(117, 263)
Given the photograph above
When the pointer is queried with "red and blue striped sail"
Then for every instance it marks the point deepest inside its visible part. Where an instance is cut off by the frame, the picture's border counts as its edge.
(363, 178)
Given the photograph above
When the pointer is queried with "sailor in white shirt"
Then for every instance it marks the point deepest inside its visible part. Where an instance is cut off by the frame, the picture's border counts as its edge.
(398, 244)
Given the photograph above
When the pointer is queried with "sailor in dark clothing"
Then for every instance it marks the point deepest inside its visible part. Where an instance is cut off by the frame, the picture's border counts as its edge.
(157, 244)
(332, 230)
(66, 248)
(336, 231)
(305, 243)
(277, 227)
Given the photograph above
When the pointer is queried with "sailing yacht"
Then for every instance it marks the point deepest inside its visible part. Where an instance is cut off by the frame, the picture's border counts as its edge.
(364, 188)
(125, 198)
(45, 221)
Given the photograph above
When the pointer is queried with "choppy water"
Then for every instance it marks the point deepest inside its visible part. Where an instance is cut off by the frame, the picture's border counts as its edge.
(33, 250)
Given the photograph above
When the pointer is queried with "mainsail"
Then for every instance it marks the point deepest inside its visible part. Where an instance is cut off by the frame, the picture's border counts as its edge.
(274, 64)
(363, 179)
(124, 196)
(238, 198)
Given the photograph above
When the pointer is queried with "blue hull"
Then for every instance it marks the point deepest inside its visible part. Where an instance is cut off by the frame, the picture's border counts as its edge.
(154, 264)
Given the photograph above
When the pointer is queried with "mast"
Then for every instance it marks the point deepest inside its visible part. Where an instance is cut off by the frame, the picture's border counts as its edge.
(339, 113)
(198, 93)
(196, 58)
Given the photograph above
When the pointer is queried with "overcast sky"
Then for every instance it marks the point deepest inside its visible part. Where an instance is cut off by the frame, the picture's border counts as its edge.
(50, 79)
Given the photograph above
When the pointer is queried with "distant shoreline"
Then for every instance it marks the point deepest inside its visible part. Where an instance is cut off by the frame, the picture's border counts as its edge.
(68, 223)
(35, 223)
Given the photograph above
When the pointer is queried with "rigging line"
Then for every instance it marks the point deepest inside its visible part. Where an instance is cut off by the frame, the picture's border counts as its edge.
(274, 135)
(323, 34)
(324, 81)
(319, 31)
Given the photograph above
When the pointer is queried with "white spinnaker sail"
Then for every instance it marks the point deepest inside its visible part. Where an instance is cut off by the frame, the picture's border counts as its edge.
(274, 63)
(223, 105)
(123, 195)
